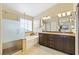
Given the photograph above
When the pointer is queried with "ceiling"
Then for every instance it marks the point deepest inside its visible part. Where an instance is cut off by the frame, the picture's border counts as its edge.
(31, 9)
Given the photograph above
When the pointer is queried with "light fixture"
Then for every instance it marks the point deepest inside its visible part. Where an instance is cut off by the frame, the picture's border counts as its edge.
(59, 15)
(44, 18)
(68, 13)
(72, 26)
(63, 14)
(47, 17)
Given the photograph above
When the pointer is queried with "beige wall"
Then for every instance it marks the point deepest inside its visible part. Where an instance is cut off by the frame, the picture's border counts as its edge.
(36, 24)
(58, 8)
(9, 13)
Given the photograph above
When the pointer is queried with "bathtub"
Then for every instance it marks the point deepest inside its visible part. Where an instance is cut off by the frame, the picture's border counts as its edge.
(31, 41)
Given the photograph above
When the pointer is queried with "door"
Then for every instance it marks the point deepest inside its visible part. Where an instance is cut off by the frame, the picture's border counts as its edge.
(51, 40)
(59, 42)
(69, 44)
(43, 39)
(40, 38)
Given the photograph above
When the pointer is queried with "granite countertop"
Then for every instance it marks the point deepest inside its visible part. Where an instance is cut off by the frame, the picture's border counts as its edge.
(59, 33)
(31, 37)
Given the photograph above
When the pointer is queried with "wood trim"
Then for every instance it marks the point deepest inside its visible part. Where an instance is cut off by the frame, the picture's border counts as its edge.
(12, 47)
(10, 50)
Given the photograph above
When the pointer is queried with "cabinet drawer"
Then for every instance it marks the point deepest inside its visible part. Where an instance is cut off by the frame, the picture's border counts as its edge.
(69, 44)
(52, 46)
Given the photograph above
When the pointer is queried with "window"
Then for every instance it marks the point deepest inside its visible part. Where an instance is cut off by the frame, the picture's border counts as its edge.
(26, 24)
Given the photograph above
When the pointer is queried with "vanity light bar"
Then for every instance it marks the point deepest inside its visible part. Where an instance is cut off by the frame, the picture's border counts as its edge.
(64, 14)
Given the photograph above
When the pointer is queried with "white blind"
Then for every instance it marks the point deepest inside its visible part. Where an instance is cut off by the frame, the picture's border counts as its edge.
(26, 24)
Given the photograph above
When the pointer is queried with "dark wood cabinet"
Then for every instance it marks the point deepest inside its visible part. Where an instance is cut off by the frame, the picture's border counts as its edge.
(43, 39)
(51, 41)
(59, 42)
(62, 43)
(69, 44)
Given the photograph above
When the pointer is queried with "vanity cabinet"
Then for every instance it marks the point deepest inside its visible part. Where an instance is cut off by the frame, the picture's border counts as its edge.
(43, 40)
(69, 44)
(59, 42)
(51, 41)
(62, 43)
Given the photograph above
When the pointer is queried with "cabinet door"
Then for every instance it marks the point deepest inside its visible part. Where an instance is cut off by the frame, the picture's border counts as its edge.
(59, 42)
(43, 39)
(51, 41)
(69, 44)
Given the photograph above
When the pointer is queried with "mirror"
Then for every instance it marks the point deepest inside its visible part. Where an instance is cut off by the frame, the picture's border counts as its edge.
(66, 24)
(49, 25)
(62, 24)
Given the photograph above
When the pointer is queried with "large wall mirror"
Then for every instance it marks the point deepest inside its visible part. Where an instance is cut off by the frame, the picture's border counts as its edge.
(60, 24)
(66, 24)
(50, 25)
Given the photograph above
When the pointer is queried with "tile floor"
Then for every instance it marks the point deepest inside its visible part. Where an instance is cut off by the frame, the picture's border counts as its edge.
(42, 50)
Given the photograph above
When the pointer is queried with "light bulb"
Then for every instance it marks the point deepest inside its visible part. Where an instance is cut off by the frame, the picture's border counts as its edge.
(44, 18)
(63, 14)
(59, 15)
(48, 17)
(68, 13)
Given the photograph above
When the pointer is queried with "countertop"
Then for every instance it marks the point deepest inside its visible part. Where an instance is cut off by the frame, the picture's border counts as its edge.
(31, 37)
(60, 33)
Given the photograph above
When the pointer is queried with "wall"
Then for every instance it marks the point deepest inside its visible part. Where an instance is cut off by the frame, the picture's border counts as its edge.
(0, 29)
(17, 14)
(36, 25)
(58, 8)
(77, 29)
